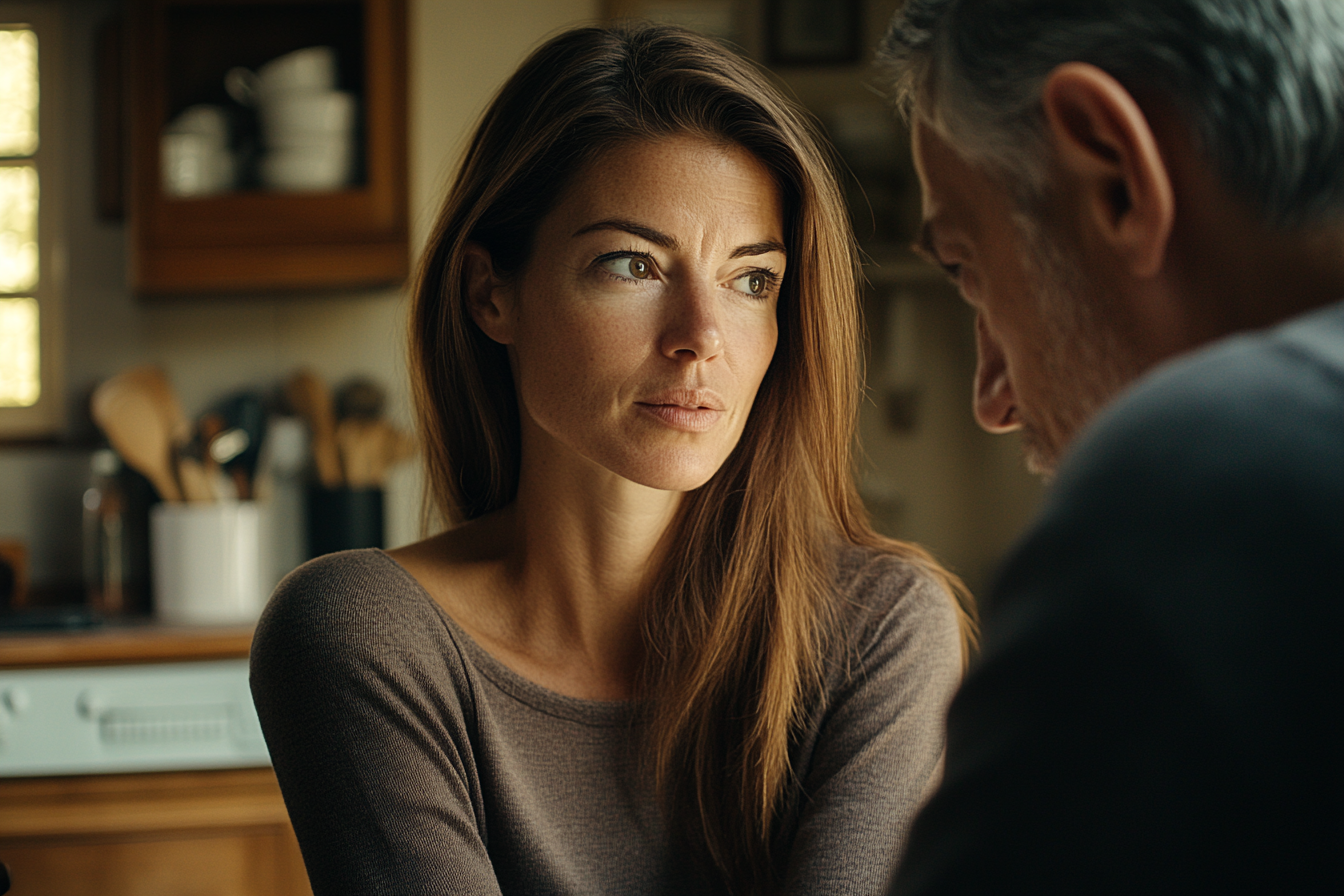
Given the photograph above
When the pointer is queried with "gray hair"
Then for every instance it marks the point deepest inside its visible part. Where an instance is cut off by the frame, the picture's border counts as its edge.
(1261, 82)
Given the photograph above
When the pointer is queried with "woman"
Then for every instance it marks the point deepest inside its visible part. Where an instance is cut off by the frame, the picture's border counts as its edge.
(663, 652)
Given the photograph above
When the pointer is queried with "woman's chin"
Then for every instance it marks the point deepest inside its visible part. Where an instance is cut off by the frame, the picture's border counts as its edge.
(675, 473)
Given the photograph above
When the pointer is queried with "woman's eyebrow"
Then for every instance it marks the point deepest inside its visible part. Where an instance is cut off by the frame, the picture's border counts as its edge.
(657, 237)
(764, 247)
(663, 240)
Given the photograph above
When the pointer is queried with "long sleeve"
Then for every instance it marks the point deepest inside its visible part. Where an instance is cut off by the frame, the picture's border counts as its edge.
(878, 747)
(363, 711)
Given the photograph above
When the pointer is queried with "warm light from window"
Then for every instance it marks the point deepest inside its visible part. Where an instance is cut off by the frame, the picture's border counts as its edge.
(18, 228)
(20, 384)
(18, 92)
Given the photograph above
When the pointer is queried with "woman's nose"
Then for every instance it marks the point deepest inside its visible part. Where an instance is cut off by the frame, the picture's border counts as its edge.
(692, 331)
(995, 402)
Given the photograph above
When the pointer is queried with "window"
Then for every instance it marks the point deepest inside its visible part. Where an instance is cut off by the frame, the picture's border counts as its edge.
(30, 307)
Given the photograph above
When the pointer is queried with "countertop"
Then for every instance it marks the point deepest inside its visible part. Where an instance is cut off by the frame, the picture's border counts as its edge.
(140, 641)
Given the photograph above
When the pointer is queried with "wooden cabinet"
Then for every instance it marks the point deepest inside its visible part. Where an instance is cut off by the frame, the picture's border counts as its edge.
(212, 833)
(250, 238)
(189, 833)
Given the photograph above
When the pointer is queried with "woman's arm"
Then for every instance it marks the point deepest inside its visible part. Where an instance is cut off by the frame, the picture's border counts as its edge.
(367, 711)
(875, 753)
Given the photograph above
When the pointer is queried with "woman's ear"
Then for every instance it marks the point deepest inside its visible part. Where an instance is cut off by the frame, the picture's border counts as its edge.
(489, 297)
(1110, 156)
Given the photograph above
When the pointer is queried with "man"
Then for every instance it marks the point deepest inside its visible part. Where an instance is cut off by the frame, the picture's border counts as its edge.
(1143, 201)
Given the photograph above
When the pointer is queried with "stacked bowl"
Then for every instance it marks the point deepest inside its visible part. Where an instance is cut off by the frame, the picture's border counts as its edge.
(307, 125)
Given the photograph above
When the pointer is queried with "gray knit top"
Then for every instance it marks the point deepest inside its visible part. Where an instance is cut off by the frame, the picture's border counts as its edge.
(412, 761)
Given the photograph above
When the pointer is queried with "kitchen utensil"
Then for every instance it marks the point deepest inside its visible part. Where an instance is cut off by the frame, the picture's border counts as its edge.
(128, 410)
(309, 398)
(358, 443)
(209, 428)
(246, 412)
(369, 448)
(229, 444)
(154, 382)
(362, 398)
(341, 519)
(394, 446)
(195, 481)
(189, 472)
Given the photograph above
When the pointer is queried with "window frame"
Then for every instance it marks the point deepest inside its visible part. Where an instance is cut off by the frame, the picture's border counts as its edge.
(47, 417)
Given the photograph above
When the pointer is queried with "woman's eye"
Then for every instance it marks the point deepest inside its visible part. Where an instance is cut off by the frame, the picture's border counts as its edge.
(755, 283)
(633, 267)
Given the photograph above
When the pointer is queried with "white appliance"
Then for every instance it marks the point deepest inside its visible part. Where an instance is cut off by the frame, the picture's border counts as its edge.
(129, 718)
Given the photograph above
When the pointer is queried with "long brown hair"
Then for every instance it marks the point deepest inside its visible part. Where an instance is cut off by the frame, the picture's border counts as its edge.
(738, 617)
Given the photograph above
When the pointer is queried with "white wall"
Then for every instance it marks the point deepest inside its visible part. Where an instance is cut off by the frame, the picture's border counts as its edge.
(953, 488)
(460, 51)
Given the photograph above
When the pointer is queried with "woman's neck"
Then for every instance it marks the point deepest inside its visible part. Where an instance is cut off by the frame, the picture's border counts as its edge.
(584, 543)
(554, 584)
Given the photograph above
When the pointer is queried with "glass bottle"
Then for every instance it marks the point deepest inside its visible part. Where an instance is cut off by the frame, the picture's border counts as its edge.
(105, 548)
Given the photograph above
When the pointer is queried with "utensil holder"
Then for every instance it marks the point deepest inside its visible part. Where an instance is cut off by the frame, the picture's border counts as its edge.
(209, 562)
(341, 519)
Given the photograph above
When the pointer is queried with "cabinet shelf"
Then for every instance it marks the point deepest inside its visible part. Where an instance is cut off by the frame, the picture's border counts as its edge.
(251, 239)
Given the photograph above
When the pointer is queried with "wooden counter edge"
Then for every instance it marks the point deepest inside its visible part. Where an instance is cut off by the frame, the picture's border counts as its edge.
(124, 644)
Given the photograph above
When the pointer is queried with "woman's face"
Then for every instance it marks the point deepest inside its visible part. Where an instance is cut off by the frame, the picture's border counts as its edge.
(645, 320)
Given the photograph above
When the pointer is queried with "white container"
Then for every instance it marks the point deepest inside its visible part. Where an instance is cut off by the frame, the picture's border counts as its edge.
(312, 68)
(194, 165)
(322, 166)
(305, 115)
(209, 562)
(208, 120)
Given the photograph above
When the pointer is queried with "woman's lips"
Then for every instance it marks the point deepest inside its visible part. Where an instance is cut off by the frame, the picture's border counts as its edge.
(686, 419)
(685, 409)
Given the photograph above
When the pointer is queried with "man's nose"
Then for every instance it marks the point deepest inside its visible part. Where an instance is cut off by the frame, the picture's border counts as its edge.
(693, 331)
(995, 403)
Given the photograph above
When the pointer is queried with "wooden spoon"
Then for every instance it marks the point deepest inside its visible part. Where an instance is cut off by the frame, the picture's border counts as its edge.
(311, 400)
(131, 417)
(394, 446)
(357, 442)
(154, 383)
(192, 480)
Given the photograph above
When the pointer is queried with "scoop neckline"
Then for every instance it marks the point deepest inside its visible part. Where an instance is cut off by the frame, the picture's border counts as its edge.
(605, 713)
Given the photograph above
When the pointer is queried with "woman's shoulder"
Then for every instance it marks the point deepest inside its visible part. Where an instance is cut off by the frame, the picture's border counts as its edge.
(885, 598)
(344, 583)
(342, 601)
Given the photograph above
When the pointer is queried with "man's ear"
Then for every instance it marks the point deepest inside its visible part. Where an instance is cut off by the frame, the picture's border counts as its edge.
(1108, 151)
(489, 298)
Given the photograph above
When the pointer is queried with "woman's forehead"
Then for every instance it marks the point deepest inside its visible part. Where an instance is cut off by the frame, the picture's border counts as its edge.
(682, 182)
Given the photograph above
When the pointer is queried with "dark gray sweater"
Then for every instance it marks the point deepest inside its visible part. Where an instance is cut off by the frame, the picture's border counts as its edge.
(412, 761)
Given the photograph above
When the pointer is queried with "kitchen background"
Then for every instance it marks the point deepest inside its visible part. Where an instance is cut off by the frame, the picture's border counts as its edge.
(928, 473)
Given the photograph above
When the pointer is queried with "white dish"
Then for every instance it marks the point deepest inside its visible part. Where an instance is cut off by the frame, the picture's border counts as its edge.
(306, 168)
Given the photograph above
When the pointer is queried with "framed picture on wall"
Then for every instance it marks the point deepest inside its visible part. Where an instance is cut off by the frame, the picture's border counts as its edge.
(813, 32)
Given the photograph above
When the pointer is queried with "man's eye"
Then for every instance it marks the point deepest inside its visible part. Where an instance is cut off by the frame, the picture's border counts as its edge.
(633, 267)
(754, 283)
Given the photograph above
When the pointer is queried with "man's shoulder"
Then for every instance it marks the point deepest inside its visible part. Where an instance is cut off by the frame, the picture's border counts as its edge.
(1270, 400)
(1217, 479)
